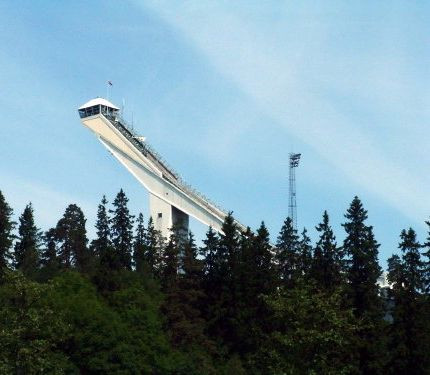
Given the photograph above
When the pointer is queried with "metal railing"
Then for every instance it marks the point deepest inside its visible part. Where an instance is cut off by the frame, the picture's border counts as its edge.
(167, 171)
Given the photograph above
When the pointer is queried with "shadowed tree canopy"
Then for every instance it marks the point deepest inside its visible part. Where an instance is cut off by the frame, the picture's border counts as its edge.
(26, 251)
(6, 233)
(122, 231)
(72, 238)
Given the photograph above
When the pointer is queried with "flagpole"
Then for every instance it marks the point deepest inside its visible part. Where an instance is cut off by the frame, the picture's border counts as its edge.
(108, 85)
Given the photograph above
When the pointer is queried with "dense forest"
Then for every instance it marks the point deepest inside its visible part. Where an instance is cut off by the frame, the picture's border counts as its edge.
(132, 302)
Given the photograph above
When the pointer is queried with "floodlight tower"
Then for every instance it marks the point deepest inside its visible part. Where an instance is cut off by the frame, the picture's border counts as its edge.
(292, 204)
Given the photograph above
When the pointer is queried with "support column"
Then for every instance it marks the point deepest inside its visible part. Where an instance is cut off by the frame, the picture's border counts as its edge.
(165, 216)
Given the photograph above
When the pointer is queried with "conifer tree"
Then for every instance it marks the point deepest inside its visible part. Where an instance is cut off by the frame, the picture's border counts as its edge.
(49, 259)
(305, 260)
(6, 233)
(409, 341)
(327, 261)
(362, 272)
(263, 258)
(170, 262)
(223, 312)
(258, 280)
(191, 325)
(208, 252)
(102, 244)
(26, 251)
(122, 234)
(72, 239)
(426, 274)
(210, 278)
(139, 245)
(288, 253)
(153, 244)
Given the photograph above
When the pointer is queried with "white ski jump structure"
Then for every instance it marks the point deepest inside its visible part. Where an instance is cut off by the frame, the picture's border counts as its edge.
(171, 200)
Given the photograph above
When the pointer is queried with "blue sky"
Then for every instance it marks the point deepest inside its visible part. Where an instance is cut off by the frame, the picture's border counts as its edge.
(224, 91)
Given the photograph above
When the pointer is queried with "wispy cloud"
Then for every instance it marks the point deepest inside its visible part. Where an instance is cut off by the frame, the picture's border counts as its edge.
(297, 77)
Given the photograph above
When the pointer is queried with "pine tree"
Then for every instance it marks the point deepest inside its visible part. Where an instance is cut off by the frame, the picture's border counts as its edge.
(362, 272)
(26, 251)
(139, 247)
(288, 253)
(327, 261)
(72, 239)
(408, 341)
(6, 234)
(122, 233)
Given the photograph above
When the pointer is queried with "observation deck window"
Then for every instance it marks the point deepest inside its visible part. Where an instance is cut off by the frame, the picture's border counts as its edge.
(97, 109)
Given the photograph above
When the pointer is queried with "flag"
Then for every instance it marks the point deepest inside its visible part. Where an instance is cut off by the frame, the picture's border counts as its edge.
(110, 83)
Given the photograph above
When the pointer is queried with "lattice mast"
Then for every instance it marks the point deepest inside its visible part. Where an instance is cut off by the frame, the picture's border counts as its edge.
(292, 203)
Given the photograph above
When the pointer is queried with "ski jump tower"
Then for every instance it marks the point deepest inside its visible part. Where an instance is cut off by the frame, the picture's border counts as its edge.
(171, 200)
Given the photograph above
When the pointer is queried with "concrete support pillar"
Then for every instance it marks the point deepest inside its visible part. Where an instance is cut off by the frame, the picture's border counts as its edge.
(165, 216)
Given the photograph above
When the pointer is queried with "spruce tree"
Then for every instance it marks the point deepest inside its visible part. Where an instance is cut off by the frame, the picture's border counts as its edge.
(139, 245)
(258, 280)
(409, 341)
(72, 239)
(191, 325)
(208, 252)
(327, 261)
(305, 259)
(153, 246)
(170, 262)
(210, 277)
(102, 244)
(362, 272)
(426, 247)
(222, 313)
(288, 253)
(264, 272)
(26, 251)
(6, 234)
(49, 259)
(122, 231)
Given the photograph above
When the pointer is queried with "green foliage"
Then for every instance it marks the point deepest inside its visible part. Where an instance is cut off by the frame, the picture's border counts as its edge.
(305, 258)
(288, 253)
(327, 261)
(72, 239)
(235, 306)
(6, 235)
(363, 295)
(120, 337)
(312, 335)
(139, 245)
(26, 251)
(102, 244)
(409, 331)
(122, 233)
(32, 331)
